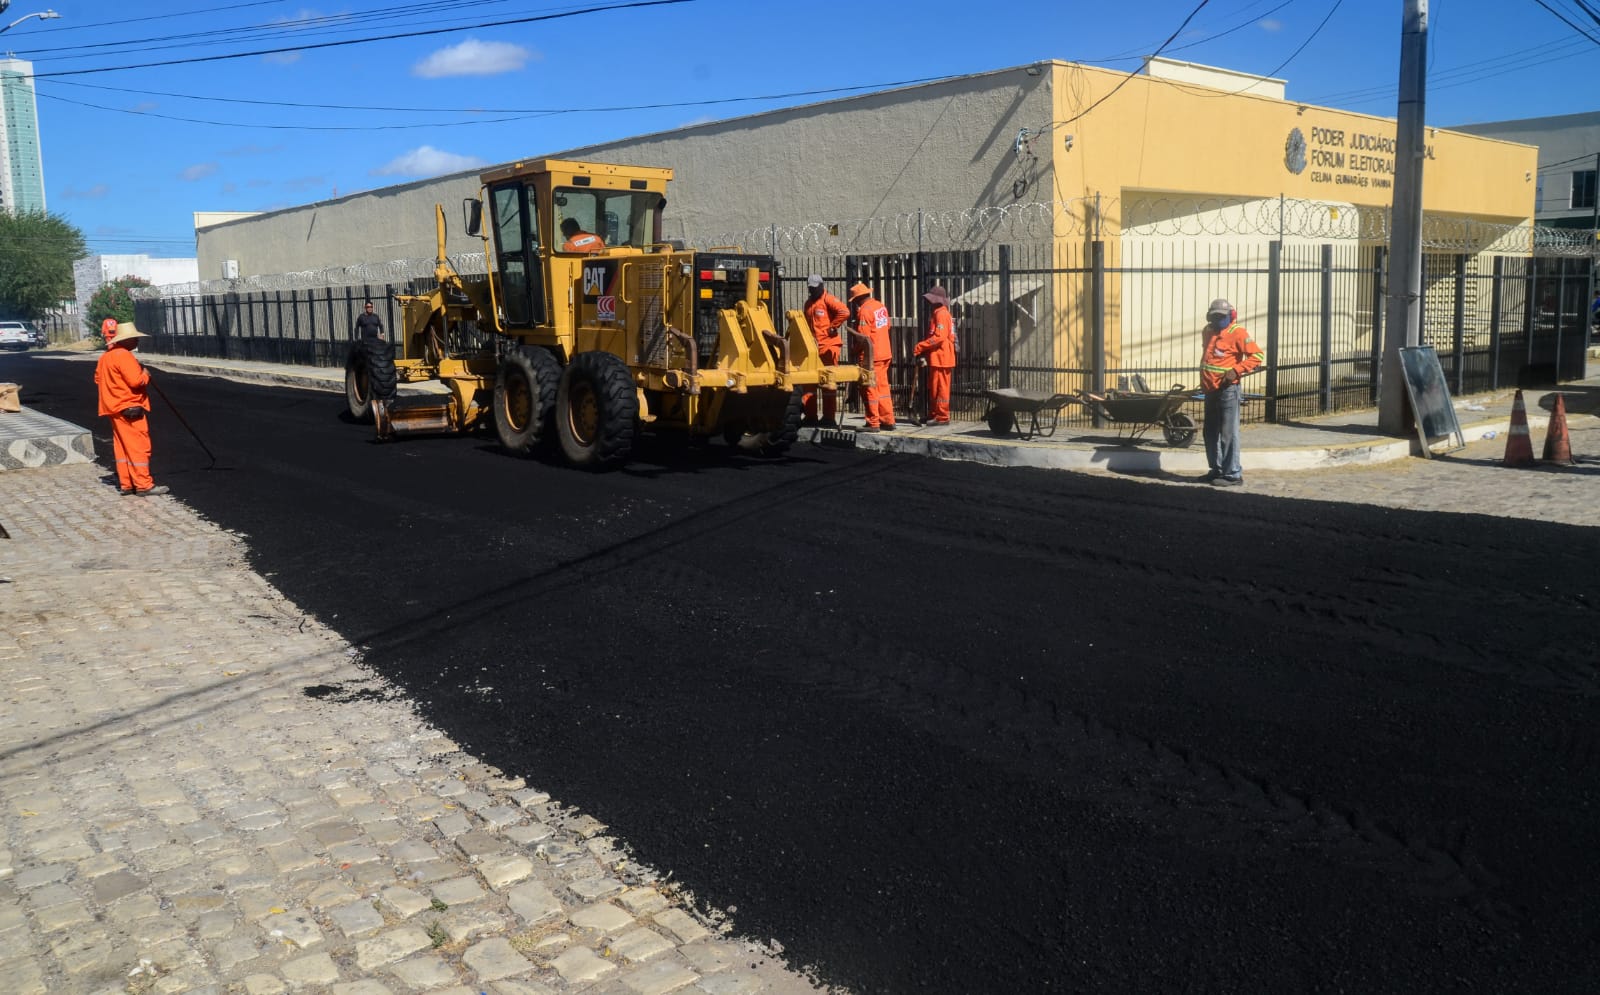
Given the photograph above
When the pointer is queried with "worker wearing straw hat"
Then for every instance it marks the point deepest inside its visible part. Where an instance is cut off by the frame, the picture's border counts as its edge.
(125, 399)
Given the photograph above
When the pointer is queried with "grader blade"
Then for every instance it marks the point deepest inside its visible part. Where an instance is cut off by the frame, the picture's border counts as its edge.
(415, 418)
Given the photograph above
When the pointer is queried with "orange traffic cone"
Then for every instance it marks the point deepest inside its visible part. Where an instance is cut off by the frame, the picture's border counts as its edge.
(1557, 447)
(1519, 447)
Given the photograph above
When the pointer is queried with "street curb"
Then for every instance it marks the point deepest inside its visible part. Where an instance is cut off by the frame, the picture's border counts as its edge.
(29, 439)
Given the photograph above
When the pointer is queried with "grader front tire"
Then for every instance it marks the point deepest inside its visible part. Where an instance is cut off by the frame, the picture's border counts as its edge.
(597, 411)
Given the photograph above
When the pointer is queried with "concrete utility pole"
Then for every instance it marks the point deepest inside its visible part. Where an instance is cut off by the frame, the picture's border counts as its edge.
(1403, 314)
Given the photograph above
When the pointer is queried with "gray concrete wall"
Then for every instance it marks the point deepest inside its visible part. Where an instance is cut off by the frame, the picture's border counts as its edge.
(940, 146)
(372, 227)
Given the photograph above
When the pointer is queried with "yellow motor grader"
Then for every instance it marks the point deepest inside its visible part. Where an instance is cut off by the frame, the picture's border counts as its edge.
(591, 328)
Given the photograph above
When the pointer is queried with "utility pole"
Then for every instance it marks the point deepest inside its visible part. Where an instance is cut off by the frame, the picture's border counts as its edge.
(1403, 312)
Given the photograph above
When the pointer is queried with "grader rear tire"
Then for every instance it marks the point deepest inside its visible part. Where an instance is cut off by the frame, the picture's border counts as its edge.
(525, 399)
(777, 443)
(597, 411)
(369, 375)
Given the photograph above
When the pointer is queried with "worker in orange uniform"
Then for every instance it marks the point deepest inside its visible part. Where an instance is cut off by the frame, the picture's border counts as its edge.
(938, 353)
(125, 399)
(827, 315)
(578, 240)
(1229, 356)
(108, 329)
(872, 325)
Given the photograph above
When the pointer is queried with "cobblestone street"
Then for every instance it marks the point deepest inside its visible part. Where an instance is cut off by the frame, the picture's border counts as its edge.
(203, 791)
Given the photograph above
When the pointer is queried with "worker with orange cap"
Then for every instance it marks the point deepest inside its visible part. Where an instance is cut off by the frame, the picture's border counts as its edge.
(872, 325)
(124, 398)
(108, 328)
(826, 315)
(938, 353)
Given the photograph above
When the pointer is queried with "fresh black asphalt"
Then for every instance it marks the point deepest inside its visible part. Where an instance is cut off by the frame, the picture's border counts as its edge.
(947, 728)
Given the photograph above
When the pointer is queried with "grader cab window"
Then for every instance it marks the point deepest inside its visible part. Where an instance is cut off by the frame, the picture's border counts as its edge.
(619, 217)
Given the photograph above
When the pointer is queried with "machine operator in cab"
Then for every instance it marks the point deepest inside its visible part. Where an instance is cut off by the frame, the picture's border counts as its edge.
(578, 240)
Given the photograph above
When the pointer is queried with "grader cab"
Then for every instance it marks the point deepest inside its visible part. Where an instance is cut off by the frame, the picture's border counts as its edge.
(591, 328)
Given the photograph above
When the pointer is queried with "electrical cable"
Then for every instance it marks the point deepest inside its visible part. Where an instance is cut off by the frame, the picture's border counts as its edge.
(1131, 75)
(323, 24)
(506, 110)
(598, 9)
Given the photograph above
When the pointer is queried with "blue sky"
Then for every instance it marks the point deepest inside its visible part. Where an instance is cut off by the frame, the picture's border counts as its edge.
(130, 153)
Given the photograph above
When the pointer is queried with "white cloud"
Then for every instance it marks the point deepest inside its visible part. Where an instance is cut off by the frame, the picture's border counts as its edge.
(93, 193)
(474, 58)
(281, 58)
(427, 161)
(1271, 24)
(144, 107)
(198, 171)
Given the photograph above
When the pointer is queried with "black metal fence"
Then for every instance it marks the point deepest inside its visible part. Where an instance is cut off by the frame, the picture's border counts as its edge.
(1070, 315)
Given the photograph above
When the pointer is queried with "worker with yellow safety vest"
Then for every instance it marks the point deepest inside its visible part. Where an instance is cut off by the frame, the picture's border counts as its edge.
(1230, 355)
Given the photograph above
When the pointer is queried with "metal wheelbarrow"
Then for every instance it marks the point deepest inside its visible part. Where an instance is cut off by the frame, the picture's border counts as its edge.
(1009, 404)
(1137, 412)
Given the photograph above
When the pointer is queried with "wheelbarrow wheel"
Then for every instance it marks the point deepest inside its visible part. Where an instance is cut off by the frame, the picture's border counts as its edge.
(1000, 420)
(1179, 430)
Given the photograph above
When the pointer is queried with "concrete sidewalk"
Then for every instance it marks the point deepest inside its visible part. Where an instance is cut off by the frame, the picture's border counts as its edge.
(1346, 439)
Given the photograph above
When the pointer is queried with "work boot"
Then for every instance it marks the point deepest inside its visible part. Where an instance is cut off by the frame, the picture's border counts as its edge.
(887, 427)
(828, 423)
(1228, 482)
(808, 423)
(869, 428)
(125, 491)
(152, 491)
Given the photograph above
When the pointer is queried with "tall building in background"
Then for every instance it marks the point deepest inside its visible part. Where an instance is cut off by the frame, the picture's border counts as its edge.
(21, 165)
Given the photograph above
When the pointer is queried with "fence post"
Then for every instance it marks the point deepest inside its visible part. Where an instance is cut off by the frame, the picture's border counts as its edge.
(1458, 338)
(1274, 306)
(1006, 316)
(1097, 301)
(1494, 321)
(1530, 288)
(1325, 346)
(1380, 268)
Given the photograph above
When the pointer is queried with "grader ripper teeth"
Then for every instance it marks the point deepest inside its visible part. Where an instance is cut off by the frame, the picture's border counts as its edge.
(591, 328)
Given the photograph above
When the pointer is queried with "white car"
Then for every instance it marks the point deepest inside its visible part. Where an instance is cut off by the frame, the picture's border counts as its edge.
(15, 335)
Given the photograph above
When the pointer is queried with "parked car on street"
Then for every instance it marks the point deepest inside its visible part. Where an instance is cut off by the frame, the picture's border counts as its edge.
(15, 335)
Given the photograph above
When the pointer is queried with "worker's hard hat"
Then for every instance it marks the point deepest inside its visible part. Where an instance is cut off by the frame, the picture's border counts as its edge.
(1219, 306)
(860, 290)
(814, 280)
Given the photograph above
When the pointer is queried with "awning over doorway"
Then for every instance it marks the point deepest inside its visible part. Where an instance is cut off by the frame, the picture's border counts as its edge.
(988, 292)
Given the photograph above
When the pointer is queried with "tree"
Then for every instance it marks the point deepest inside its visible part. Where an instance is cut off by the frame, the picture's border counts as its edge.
(36, 255)
(112, 301)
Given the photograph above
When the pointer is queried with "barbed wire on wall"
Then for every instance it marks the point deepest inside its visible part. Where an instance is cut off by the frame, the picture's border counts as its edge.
(355, 275)
(1039, 223)
(912, 231)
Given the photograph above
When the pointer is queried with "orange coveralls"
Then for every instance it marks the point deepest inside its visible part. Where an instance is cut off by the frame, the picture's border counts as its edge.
(583, 242)
(872, 320)
(827, 314)
(122, 380)
(940, 348)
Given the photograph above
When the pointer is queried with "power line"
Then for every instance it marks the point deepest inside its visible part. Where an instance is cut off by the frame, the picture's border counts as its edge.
(271, 29)
(1125, 79)
(605, 8)
(524, 111)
